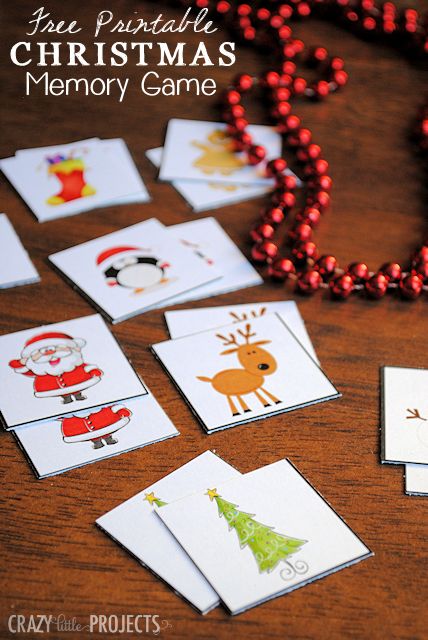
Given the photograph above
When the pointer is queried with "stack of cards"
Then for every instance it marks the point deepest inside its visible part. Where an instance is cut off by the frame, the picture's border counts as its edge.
(16, 267)
(67, 179)
(216, 536)
(148, 266)
(71, 396)
(405, 424)
(198, 159)
(234, 365)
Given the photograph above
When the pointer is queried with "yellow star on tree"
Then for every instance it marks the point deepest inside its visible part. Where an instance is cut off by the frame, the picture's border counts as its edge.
(151, 498)
(212, 493)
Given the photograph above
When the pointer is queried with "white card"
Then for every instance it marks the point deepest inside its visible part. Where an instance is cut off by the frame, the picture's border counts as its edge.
(184, 322)
(197, 150)
(417, 479)
(70, 178)
(203, 196)
(243, 372)
(88, 436)
(261, 535)
(63, 367)
(132, 270)
(16, 267)
(134, 525)
(405, 415)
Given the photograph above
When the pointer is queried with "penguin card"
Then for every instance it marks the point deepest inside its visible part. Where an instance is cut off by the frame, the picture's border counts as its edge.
(16, 267)
(133, 270)
(261, 535)
(57, 369)
(84, 436)
(243, 372)
(404, 415)
(135, 526)
(67, 179)
(197, 150)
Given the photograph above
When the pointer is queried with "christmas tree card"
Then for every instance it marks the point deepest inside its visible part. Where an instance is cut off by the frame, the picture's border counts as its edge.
(404, 415)
(16, 267)
(56, 369)
(417, 479)
(197, 150)
(204, 195)
(133, 270)
(90, 435)
(135, 526)
(184, 322)
(262, 535)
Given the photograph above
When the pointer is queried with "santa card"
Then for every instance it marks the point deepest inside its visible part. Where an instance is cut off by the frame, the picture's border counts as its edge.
(184, 322)
(132, 270)
(135, 526)
(404, 415)
(60, 368)
(417, 479)
(243, 372)
(261, 535)
(89, 435)
(205, 195)
(16, 267)
(68, 179)
(196, 150)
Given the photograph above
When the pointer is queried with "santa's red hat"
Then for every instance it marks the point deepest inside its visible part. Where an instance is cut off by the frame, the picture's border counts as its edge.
(48, 339)
(107, 257)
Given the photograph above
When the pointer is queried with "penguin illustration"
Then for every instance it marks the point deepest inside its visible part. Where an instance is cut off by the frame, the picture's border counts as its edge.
(132, 268)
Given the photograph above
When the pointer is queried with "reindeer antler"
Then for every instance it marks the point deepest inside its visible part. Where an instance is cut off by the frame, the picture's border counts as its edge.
(247, 333)
(227, 341)
(239, 317)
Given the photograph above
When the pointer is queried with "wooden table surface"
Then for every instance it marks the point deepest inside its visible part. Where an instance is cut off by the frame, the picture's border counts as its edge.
(54, 560)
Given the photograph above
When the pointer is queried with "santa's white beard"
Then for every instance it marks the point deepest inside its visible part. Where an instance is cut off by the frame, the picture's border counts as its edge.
(67, 363)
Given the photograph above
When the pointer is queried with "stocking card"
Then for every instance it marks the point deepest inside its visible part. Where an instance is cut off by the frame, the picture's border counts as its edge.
(16, 267)
(134, 526)
(261, 535)
(76, 439)
(132, 270)
(196, 150)
(405, 415)
(244, 371)
(60, 368)
(417, 479)
(187, 321)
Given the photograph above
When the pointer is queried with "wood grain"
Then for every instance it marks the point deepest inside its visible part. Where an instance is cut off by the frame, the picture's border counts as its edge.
(54, 560)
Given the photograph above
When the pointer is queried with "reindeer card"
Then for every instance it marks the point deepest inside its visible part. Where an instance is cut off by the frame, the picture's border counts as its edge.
(404, 415)
(132, 270)
(16, 267)
(205, 195)
(86, 436)
(196, 150)
(244, 371)
(56, 369)
(261, 535)
(135, 526)
(417, 479)
(184, 322)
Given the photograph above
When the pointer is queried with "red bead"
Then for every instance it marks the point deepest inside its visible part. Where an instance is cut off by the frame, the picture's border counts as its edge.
(411, 287)
(340, 78)
(376, 286)
(270, 79)
(359, 272)
(318, 54)
(273, 216)
(244, 10)
(275, 167)
(321, 89)
(262, 232)
(422, 271)
(281, 94)
(280, 110)
(313, 151)
(292, 123)
(242, 141)
(304, 251)
(285, 182)
(300, 233)
(337, 63)
(237, 126)
(326, 265)
(266, 251)
(281, 269)
(223, 6)
(421, 255)
(309, 216)
(321, 200)
(309, 282)
(299, 86)
(243, 82)
(342, 287)
(320, 166)
(232, 97)
(233, 112)
(256, 153)
(392, 271)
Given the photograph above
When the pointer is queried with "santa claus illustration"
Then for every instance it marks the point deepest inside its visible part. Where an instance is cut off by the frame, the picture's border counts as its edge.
(54, 360)
(132, 268)
(97, 427)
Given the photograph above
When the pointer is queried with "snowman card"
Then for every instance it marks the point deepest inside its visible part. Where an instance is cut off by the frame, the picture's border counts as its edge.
(16, 267)
(89, 435)
(135, 526)
(133, 270)
(243, 372)
(205, 195)
(59, 368)
(404, 415)
(261, 535)
(197, 150)
(184, 322)
(417, 479)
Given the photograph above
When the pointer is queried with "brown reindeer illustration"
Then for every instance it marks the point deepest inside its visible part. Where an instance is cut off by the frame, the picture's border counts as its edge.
(256, 364)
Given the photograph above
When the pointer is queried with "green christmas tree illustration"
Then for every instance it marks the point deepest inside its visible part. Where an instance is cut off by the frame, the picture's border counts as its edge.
(268, 546)
(152, 499)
